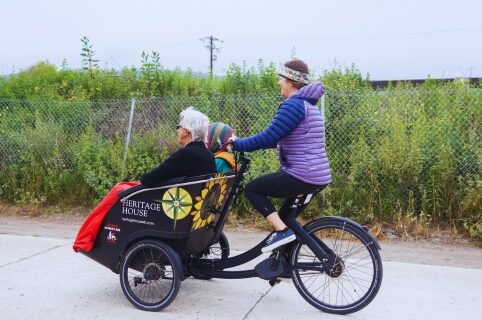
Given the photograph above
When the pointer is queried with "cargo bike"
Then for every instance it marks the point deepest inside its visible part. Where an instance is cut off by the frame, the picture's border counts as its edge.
(155, 238)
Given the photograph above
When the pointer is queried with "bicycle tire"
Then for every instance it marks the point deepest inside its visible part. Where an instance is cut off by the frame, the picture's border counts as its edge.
(354, 278)
(147, 268)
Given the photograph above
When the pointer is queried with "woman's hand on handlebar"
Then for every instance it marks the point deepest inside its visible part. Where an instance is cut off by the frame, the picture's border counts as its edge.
(232, 139)
(230, 143)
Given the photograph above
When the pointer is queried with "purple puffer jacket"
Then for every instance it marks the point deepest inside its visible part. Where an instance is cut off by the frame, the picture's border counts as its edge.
(302, 153)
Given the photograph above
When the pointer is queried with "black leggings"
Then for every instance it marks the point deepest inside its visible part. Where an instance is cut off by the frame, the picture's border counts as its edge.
(276, 185)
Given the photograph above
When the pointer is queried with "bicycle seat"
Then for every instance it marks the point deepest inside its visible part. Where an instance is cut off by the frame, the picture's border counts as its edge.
(304, 198)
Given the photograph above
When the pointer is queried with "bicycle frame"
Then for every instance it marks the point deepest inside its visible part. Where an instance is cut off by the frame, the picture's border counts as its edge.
(215, 268)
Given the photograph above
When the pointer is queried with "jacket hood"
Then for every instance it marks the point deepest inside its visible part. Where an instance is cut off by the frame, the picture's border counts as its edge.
(314, 90)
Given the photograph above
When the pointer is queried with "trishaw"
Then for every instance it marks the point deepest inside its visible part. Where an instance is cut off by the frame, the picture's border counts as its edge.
(155, 238)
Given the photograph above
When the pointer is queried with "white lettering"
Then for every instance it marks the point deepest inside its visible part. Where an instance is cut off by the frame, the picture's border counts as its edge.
(138, 221)
(134, 211)
(139, 208)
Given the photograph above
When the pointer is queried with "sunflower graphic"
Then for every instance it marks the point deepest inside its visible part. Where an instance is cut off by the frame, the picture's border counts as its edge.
(209, 202)
(176, 203)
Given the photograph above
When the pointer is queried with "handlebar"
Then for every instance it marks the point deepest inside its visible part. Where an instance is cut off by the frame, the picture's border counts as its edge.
(228, 145)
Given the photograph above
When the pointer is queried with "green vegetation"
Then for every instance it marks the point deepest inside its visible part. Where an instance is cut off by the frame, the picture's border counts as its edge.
(89, 62)
(404, 152)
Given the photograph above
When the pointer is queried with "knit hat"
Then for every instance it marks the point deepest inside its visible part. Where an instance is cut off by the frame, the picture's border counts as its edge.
(218, 134)
(295, 70)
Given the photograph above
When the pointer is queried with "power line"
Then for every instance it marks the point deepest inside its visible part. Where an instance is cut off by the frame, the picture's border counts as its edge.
(374, 36)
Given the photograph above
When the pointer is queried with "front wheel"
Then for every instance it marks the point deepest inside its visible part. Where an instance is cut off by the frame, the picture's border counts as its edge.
(218, 250)
(150, 275)
(351, 281)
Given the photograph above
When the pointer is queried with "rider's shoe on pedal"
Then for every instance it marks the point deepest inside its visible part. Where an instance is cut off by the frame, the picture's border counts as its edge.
(277, 239)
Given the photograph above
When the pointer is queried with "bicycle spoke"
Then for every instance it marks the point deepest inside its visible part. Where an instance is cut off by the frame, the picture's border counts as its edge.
(350, 279)
(153, 290)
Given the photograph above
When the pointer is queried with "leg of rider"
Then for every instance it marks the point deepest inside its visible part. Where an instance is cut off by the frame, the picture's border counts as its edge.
(257, 192)
(278, 185)
(275, 220)
(274, 185)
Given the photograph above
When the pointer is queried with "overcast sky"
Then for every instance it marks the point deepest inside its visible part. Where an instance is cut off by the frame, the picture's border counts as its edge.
(387, 39)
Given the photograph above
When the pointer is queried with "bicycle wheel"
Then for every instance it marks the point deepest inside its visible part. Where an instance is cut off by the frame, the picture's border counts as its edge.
(354, 276)
(150, 275)
(218, 250)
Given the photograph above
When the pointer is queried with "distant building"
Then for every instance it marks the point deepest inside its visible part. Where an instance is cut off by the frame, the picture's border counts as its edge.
(380, 84)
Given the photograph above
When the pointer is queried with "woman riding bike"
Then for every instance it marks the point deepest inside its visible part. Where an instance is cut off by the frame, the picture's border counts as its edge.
(298, 132)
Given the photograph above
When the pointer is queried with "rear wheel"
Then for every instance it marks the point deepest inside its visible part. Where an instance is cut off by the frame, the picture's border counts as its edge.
(218, 250)
(350, 281)
(150, 275)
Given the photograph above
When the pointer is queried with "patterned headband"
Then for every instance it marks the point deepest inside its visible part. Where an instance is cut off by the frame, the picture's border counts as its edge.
(294, 75)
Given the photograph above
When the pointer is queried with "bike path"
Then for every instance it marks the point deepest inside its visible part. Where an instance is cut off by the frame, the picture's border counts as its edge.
(42, 278)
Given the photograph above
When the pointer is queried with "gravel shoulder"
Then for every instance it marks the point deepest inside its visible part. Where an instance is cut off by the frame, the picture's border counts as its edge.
(441, 252)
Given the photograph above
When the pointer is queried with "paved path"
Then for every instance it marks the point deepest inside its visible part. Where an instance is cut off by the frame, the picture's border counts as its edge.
(42, 278)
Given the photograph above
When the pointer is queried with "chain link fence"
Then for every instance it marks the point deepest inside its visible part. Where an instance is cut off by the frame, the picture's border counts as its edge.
(409, 145)
(40, 126)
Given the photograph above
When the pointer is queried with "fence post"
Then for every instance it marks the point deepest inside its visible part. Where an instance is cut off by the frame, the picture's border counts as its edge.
(323, 107)
(129, 129)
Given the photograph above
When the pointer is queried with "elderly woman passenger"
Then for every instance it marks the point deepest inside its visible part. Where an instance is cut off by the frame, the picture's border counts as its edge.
(193, 159)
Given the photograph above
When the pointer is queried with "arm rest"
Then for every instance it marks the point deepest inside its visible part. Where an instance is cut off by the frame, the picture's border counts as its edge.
(141, 186)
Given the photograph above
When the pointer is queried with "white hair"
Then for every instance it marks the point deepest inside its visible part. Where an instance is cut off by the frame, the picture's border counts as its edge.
(196, 122)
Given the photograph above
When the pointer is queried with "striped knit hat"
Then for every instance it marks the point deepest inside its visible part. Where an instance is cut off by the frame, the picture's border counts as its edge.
(295, 70)
(218, 134)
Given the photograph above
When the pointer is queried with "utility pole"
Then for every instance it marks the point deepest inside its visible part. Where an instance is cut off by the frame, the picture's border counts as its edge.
(213, 49)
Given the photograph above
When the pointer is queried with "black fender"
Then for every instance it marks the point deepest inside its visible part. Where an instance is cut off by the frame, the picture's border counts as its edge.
(347, 221)
(172, 239)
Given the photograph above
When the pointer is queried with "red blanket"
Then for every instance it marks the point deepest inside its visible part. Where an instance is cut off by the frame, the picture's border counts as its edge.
(88, 232)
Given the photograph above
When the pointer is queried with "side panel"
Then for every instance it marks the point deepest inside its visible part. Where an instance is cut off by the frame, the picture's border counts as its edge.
(184, 217)
(164, 213)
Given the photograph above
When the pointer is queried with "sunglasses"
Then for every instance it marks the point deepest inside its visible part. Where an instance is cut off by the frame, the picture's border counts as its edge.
(178, 126)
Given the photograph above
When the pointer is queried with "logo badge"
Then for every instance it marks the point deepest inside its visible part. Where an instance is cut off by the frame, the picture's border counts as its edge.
(176, 203)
